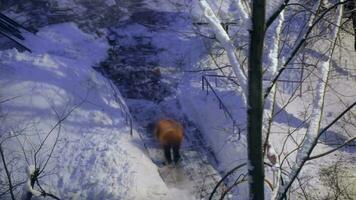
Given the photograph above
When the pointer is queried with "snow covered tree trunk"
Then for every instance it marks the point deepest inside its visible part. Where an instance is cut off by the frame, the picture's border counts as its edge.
(316, 115)
(228, 45)
(271, 71)
(255, 103)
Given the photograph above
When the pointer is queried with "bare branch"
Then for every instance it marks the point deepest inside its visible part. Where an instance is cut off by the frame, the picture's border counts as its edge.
(13, 187)
(313, 146)
(223, 179)
(44, 193)
(55, 126)
(7, 173)
(299, 45)
(332, 150)
(9, 99)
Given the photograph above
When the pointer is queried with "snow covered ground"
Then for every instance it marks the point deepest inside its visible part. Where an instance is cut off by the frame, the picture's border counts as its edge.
(95, 157)
(93, 142)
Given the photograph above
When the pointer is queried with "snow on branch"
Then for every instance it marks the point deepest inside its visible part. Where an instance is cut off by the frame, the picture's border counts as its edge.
(305, 34)
(271, 71)
(318, 101)
(299, 43)
(29, 190)
(276, 13)
(273, 52)
(316, 115)
(243, 9)
(227, 44)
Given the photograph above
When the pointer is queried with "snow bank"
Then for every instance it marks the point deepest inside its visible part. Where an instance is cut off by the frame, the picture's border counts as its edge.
(215, 126)
(94, 156)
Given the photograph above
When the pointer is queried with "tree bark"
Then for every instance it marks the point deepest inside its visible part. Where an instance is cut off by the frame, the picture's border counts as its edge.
(255, 103)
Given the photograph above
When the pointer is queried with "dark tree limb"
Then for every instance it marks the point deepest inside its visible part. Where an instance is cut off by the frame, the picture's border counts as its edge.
(14, 23)
(8, 99)
(223, 179)
(255, 102)
(7, 173)
(276, 13)
(332, 150)
(44, 193)
(237, 182)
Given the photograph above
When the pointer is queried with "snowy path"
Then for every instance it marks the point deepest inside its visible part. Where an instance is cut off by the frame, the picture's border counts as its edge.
(194, 173)
(194, 177)
(141, 45)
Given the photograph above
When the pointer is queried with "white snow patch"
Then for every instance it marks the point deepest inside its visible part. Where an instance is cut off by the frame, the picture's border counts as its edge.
(28, 188)
(110, 2)
(95, 157)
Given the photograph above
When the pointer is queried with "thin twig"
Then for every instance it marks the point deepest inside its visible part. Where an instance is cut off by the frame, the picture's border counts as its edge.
(299, 45)
(332, 150)
(7, 173)
(223, 178)
(54, 127)
(286, 188)
(44, 193)
(9, 99)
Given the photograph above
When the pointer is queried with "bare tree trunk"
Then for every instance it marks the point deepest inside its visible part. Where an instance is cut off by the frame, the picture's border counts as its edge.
(255, 103)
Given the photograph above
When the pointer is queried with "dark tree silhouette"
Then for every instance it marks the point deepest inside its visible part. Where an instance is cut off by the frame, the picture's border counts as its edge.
(255, 102)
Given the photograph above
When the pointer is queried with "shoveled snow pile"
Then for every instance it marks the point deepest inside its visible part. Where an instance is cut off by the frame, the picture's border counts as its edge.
(94, 155)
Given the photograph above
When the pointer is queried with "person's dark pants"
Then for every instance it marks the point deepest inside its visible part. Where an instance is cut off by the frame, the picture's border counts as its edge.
(167, 153)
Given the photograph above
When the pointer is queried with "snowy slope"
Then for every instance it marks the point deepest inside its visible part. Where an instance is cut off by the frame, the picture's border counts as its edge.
(95, 157)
